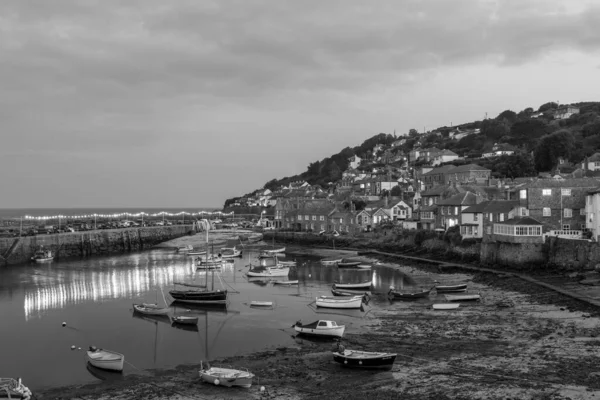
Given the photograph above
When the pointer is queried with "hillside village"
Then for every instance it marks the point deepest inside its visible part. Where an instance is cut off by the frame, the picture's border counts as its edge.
(516, 178)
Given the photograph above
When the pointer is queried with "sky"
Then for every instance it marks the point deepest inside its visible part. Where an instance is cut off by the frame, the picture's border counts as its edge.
(153, 103)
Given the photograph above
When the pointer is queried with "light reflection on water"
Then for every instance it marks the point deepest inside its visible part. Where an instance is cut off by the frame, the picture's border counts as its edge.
(94, 296)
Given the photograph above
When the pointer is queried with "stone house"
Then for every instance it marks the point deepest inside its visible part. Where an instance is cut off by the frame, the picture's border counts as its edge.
(477, 221)
(436, 176)
(450, 209)
(363, 220)
(557, 204)
(466, 174)
(427, 216)
(591, 163)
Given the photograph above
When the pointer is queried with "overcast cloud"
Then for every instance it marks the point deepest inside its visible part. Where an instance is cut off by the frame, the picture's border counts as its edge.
(185, 103)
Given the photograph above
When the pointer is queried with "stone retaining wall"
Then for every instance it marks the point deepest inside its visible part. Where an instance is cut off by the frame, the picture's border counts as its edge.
(83, 244)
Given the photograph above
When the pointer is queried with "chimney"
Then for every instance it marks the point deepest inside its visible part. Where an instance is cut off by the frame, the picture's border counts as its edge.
(386, 200)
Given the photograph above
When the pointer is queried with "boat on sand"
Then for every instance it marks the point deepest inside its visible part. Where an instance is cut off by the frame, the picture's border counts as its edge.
(323, 328)
(227, 377)
(105, 359)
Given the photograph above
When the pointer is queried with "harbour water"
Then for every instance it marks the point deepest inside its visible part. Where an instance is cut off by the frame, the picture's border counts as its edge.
(94, 297)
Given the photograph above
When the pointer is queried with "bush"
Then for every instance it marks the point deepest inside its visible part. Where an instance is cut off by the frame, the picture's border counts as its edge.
(423, 235)
(453, 235)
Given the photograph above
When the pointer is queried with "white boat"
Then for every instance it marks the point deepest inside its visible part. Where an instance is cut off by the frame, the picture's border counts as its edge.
(196, 253)
(287, 263)
(355, 286)
(42, 255)
(339, 302)
(14, 389)
(261, 304)
(187, 247)
(445, 306)
(150, 309)
(363, 266)
(462, 297)
(185, 319)
(212, 262)
(285, 282)
(230, 252)
(105, 359)
(321, 328)
(269, 271)
(331, 262)
(271, 252)
(226, 376)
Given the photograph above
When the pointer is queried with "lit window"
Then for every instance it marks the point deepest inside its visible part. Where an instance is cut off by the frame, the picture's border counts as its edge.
(547, 192)
(502, 217)
(565, 192)
(455, 210)
(568, 213)
(523, 194)
(546, 212)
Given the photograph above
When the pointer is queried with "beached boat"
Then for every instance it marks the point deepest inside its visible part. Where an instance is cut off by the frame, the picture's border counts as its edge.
(185, 319)
(451, 288)
(187, 247)
(364, 359)
(105, 359)
(226, 376)
(354, 286)
(339, 302)
(364, 266)
(392, 294)
(331, 261)
(42, 255)
(261, 304)
(285, 282)
(349, 292)
(14, 389)
(445, 306)
(348, 264)
(150, 309)
(269, 271)
(321, 328)
(463, 297)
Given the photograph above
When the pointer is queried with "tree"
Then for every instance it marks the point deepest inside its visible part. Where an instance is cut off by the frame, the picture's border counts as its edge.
(396, 191)
(526, 133)
(494, 128)
(271, 185)
(513, 166)
(413, 132)
(548, 106)
(551, 147)
(508, 115)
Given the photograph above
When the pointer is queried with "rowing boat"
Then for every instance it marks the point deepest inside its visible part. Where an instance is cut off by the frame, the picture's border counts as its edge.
(355, 286)
(105, 359)
(451, 288)
(321, 328)
(408, 296)
(364, 359)
(445, 306)
(463, 297)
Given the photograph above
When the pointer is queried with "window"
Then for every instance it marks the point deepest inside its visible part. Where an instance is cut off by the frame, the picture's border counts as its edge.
(299, 217)
(443, 210)
(476, 230)
(546, 212)
(565, 192)
(488, 230)
(523, 194)
(567, 213)
(307, 217)
(322, 218)
(491, 217)
(455, 210)
(312, 226)
(566, 227)
(501, 217)
(524, 212)
(583, 226)
(546, 192)
(596, 163)
(582, 211)
(314, 217)
(475, 217)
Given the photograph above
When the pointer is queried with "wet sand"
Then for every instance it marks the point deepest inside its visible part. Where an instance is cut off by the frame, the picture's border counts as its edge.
(521, 341)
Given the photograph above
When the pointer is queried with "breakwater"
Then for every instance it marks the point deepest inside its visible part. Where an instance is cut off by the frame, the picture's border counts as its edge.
(83, 244)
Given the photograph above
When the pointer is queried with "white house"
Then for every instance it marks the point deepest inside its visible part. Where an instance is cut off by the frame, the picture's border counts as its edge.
(354, 162)
(444, 156)
(565, 112)
(500, 150)
(592, 212)
(592, 163)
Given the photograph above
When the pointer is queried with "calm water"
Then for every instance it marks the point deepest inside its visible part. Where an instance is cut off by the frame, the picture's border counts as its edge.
(38, 212)
(94, 296)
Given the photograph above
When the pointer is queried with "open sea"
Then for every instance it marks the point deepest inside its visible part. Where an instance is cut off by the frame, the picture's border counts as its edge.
(7, 213)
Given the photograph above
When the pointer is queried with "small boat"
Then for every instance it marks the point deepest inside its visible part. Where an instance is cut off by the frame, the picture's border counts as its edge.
(463, 297)
(185, 248)
(348, 264)
(364, 359)
(331, 261)
(185, 320)
(261, 304)
(287, 263)
(285, 282)
(271, 252)
(226, 376)
(321, 327)
(196, 253)
(105, 359)
(355, 286)
(230, 252)
(364, 266)
(150, 309)
(349, 292)
(42, 255)
(408, 296)
(445, 306)
(339, 302)
(451, 288)
(14, 389)
(269, 271)
(212, 263)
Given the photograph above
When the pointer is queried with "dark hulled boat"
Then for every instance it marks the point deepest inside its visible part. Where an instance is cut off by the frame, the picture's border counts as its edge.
(199, 296)
(451, 288)
(392, 294)
(348, 264)
(364, 359)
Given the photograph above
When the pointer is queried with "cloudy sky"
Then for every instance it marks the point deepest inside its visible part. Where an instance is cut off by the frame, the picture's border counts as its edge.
(155, 103)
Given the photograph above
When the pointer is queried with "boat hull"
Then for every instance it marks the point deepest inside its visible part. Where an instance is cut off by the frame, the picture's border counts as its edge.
(43, 260)
(355, 359)
(353, 286)
(451, 288)
(106, 359)
(353, 264)
(150, 310)
(408, 296)
(334, 332)
(199, 297)
(261, 304)
(330, 262)
(269, 272)
(463, 297)
(351, 303)
(285, 282)
(227, 377)
(452, 306)
(185, 320)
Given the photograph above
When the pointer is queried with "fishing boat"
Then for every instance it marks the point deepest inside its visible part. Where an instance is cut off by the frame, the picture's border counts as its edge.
(348, 264)
(339, 302)
(105, 359)
(364, 359)
(42, 255)
(392, 294)
(451, 288)
(463, 297)
(150, 309)
(185, 319)
(354, 286)
(14, 389)
(261, 304)
(445, 306)
(330, 261)
(226, 376)
(185, 248)
(321, 328)
(289, 283)
(268, 272)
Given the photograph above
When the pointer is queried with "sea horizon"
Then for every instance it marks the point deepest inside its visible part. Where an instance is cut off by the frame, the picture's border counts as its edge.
(8, 212)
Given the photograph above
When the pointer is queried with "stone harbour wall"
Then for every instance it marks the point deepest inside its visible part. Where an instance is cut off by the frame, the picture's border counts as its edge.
(83, 244)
